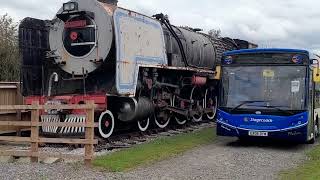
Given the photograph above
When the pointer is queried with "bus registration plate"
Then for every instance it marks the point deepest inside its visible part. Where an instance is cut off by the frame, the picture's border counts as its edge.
(258, 134)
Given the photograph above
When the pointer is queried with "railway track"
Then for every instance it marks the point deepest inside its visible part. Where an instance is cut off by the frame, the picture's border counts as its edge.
(127, 140)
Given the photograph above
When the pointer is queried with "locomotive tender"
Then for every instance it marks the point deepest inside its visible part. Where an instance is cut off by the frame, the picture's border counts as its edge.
(138, 69)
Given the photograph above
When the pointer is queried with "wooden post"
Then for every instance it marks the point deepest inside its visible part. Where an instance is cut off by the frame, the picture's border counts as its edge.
(18, 101)
(35, 133)
(89, 134)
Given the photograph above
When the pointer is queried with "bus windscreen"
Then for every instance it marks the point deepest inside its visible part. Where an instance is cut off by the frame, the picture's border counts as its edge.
(276, 86)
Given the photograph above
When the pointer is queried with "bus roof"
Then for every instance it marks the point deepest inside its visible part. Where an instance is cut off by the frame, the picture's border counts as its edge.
(267, 50)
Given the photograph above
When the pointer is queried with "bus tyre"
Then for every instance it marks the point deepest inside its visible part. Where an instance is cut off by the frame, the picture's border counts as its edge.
(316, 130)
(312, 141)
(315, 135)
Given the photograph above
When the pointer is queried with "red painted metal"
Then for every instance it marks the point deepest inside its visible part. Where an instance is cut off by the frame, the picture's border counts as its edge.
(107, 124)
(99, 99)
(199, 81)
(75, 24)
(73, 36)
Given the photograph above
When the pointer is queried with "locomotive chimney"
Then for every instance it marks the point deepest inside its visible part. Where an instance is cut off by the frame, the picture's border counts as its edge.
(112, 2)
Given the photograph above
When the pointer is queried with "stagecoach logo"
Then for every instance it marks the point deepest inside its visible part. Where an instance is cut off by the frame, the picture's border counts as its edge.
(298, 59)
(228, 60)
(260, 120)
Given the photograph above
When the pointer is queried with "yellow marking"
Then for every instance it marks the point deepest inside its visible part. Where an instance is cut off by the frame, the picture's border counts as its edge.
(268, 73)
(218, 73)
(316, 74)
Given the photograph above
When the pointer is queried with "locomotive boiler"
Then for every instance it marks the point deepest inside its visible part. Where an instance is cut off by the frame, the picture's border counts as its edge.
(139, 70)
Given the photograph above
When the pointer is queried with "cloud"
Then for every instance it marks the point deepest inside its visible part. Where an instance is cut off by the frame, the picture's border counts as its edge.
(19, 9)
(273, 23)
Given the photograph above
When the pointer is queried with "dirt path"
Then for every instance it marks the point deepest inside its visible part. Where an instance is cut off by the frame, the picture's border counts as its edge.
(227, 159)
(224, 159)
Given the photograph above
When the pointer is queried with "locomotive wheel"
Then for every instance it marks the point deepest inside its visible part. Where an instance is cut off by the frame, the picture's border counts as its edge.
(106, 124)
(163, 118)
(180, 120)
(143, 125)
(197, 105)
(162, 122)
(210, 102)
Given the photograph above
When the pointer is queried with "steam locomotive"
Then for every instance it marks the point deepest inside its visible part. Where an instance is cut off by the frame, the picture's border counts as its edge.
(139, 70)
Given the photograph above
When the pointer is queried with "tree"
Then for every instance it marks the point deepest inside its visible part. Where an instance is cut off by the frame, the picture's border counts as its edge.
(9, 51)
(216, 33)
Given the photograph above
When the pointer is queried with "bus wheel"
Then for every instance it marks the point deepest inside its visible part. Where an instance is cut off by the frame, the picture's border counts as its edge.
(316, 128)
(313, 140)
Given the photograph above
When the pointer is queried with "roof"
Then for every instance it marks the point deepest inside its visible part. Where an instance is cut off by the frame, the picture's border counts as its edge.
(268, 50)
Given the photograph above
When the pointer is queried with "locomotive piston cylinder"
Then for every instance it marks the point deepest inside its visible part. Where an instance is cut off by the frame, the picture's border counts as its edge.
(132, 109)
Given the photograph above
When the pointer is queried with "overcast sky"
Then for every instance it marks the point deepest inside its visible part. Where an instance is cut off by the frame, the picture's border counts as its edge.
(272, 23)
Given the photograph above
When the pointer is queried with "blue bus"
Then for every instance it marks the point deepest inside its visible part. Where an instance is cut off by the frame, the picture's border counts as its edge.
(268, 93)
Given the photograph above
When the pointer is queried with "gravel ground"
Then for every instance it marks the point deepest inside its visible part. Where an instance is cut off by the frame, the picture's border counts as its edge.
(224, 159)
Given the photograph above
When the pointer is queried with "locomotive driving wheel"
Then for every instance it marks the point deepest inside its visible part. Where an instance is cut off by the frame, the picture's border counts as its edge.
(162, 116)
(143, 125)
(197, 104)
(210, 102)
(180, 120)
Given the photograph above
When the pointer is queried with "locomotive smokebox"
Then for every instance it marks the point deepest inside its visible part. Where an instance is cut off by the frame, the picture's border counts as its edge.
(82, 35)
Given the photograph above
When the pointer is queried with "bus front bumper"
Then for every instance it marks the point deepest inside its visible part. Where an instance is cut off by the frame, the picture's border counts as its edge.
(297, 134)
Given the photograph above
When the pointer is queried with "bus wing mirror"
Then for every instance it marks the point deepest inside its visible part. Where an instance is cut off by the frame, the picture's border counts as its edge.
(316, 74)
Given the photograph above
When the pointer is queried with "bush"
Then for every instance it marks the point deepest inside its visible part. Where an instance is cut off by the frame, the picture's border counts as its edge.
(9, 51)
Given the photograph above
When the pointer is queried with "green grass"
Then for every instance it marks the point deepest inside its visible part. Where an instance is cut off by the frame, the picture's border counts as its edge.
(157, 150)
(310, 169)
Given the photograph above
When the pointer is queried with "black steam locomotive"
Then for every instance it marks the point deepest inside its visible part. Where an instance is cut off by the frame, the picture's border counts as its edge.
(138, 70)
